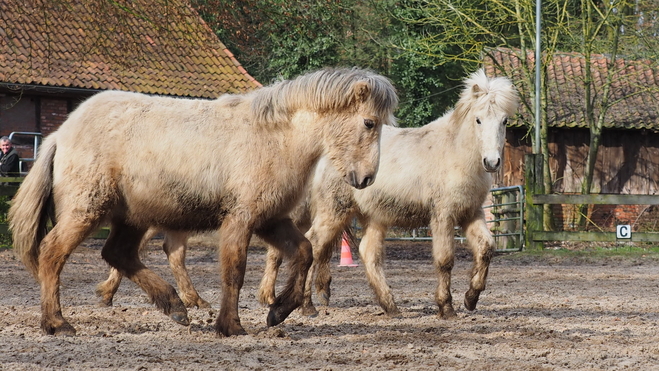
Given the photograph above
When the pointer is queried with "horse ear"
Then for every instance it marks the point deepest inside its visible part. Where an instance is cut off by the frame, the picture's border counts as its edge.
(362, 91)
(477, 91)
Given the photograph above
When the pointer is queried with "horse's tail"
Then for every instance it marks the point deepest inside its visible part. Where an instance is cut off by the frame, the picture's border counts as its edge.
(31, 208)
(350, 237)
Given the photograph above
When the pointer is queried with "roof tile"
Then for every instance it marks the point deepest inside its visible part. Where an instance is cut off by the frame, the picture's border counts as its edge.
(635, 89)
(127, 50)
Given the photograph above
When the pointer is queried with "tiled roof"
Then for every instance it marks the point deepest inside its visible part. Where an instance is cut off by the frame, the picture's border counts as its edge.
(635, 89)
(154, 47)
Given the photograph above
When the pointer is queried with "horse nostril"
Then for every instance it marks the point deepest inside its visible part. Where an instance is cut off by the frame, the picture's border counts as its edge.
(366, 182)
(357, 182)
(491, 168)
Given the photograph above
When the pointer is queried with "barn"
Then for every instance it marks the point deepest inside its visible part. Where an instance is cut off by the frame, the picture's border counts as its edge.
(54, 55)
(628, 158)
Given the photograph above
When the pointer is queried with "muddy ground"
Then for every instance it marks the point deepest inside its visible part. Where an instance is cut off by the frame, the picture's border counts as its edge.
(536, 314)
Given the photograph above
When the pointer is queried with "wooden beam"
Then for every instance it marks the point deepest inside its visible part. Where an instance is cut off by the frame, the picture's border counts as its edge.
(594, 236)
(11, 179)
(596, 199)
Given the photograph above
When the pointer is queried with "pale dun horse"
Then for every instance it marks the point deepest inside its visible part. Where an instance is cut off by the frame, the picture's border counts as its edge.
(437, 175)
(238, 164)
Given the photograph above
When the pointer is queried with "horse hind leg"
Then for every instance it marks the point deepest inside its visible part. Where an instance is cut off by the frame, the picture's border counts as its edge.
(481, 242)
(55, 248)
(121, 252)
(108, 288)
(301, 215)
(284, 236)
(175, 246)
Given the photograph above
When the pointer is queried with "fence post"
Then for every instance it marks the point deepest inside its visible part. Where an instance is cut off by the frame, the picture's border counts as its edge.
(534, 185)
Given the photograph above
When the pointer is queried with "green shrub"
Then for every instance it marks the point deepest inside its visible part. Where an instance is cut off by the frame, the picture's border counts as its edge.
(5, 239)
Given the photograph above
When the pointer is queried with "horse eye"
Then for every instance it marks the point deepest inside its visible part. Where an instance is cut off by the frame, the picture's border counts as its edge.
(505, 121)
(478, 121)
(370, 124)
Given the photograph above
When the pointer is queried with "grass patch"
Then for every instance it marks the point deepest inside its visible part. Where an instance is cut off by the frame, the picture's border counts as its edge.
(621, 253)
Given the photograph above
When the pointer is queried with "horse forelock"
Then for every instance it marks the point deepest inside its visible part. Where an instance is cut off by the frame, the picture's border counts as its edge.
(495, 93)
(323, 91)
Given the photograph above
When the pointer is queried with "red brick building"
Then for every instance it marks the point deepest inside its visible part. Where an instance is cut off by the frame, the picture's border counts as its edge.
(628, 157)
(55, 54)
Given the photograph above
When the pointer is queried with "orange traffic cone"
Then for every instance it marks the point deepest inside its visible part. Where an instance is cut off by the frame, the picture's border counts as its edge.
(346, 255)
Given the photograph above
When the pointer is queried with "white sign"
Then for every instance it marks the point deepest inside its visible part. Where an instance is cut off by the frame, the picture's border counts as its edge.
(623, 231)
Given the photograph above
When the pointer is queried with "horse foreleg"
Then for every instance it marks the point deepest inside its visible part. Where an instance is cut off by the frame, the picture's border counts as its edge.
(121, 251)
(266, 292)
(175, 246)
(321, 263)
(443, 251)
(481, 242)
(234, 240)
(54, 251)
(284, 236)
(325, 237)
(371, 251)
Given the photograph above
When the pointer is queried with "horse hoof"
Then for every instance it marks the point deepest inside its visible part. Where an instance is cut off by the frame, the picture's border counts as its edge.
(447, 312)
(104, 303)
(228, 331)
(198, 303)
(203, 304)
(393, 313)
(181, 318)
(273, 319)
(323, 298)
(277, 315)
(309, 311)
(471, 299)
(63, 330)
(266, 302)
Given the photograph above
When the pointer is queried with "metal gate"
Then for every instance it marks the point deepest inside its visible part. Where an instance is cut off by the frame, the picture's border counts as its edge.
(504, 214)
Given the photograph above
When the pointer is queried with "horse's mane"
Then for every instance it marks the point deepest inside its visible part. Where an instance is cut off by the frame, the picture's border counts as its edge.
(321, 91)
(497, 92)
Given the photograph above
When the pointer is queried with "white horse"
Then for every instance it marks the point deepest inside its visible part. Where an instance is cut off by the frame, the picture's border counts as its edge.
(239, 164)
(436, 175)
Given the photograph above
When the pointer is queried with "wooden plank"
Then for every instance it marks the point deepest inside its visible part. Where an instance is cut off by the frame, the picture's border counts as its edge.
(596, 199)
(10, 179)
(594, 236)
(533, 179)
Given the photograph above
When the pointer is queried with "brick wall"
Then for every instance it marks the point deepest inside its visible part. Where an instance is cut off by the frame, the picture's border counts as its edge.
(53, 114)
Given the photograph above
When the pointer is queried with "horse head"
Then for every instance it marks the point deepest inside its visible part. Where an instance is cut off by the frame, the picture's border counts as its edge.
(491, 102)
(352, 137)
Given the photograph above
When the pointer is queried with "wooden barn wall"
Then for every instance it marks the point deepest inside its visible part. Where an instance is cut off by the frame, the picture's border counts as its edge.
(627, 163)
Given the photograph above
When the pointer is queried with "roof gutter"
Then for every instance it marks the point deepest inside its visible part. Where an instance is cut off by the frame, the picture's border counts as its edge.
(47, 89)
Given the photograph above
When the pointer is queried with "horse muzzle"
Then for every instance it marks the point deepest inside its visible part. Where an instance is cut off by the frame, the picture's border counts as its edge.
(359, 181)
(491, 166)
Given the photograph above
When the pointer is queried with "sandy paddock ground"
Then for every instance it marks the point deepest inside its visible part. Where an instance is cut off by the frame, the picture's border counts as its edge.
(536, 314)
